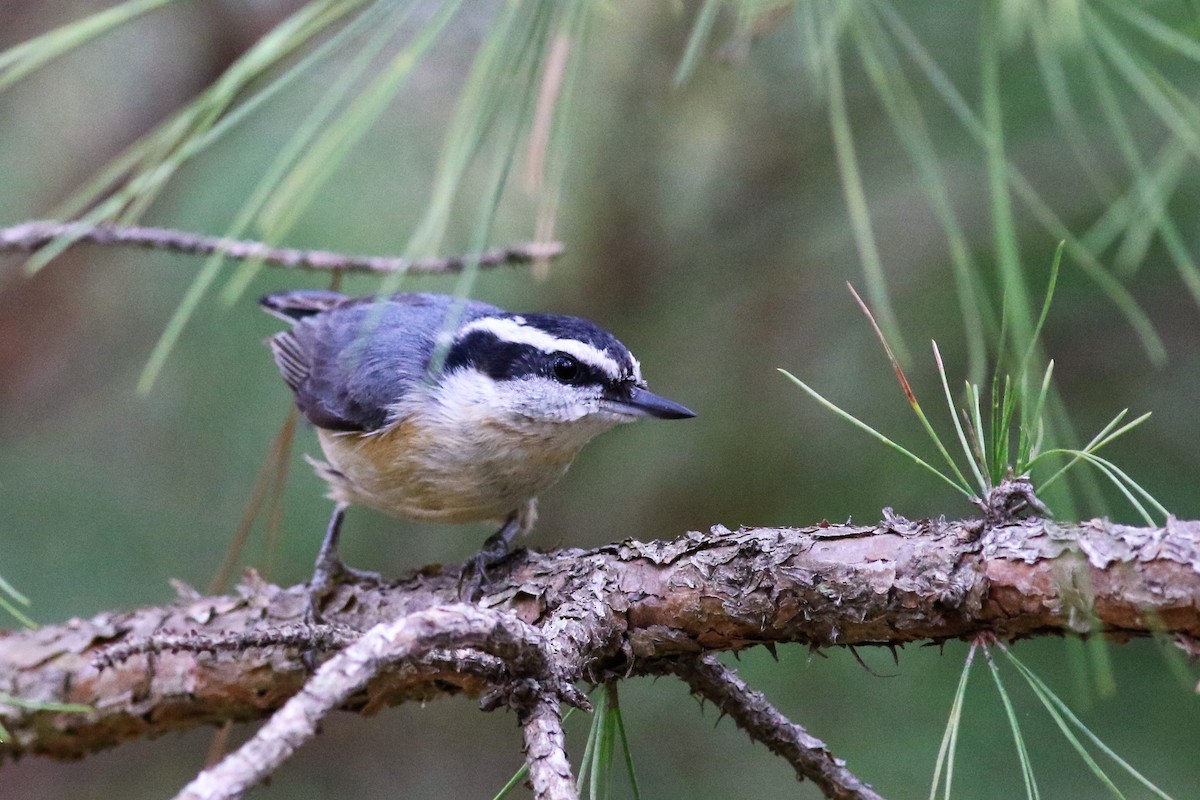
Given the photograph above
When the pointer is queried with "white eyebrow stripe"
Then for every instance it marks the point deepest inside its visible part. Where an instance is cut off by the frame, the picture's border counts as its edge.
(637, 369)
(510, 330)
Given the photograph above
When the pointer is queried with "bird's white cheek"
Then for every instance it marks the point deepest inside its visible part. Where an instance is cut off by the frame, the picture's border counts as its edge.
(543, 401)
(534, 406)
(466, 395)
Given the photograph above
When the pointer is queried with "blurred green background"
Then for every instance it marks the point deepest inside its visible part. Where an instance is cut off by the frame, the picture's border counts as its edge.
(706, 225)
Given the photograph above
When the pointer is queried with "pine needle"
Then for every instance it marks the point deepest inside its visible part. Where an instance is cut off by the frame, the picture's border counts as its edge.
(1031, 787)
(1066, 719)
(856, 204)
(947, 750)
(904, 112)
(697, 39)
(1041, 210)
(27, 57)
(864, 426)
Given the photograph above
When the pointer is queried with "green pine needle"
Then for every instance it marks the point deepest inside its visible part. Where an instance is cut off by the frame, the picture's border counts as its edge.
(20, 616)
(856, 204)
(1031, 787)
(1041, 210)
(899, 100)
(27, 57)
(1068, 723)
(697, 39)
(947, 750)
(855, 421)
(1003, 226)
(290, 161)
(38, 705)
(518, 777)
(958, 429)
(628, 756)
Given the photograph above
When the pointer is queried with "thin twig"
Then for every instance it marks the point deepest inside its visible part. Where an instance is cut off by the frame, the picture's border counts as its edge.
(29, 236)
(764, 723)
(546, 751)
(386, 644)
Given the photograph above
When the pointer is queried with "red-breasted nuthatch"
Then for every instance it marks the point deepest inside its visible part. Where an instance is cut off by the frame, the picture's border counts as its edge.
(439, 408)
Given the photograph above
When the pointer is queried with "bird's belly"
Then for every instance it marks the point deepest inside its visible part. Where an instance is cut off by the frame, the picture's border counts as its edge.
(447, 477)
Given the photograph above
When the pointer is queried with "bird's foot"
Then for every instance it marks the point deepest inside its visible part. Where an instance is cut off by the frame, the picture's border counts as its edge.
(328, 574)
(474, 575)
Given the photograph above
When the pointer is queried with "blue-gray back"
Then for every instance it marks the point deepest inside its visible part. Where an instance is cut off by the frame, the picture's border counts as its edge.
(349, 359)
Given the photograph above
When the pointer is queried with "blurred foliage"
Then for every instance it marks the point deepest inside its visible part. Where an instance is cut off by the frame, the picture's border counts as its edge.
(718, 172)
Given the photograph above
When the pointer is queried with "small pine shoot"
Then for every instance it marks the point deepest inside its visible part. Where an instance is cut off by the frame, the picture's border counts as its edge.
(1001, 433)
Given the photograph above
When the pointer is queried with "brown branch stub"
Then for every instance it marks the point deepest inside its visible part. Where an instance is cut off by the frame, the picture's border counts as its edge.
(621, 609)
(1013, 498)
(32, 235)
(764, 723)
(546, 750)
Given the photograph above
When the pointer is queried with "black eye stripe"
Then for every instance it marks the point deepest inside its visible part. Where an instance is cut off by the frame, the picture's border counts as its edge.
(503, 360)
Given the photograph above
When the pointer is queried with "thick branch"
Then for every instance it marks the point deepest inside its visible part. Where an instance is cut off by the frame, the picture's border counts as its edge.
(30, 236)
(764, 723)
(620, 610)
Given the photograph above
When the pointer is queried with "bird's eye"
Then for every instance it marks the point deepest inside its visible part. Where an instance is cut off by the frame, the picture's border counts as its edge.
(566, 369)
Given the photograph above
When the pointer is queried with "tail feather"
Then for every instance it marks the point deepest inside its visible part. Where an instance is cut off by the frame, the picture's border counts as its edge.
(289, 358)
(296, 305)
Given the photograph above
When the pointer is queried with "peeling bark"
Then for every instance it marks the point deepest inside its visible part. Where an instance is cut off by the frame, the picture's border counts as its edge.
(618, 610)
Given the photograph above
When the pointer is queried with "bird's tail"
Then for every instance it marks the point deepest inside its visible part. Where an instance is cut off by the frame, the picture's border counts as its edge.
(300, 303)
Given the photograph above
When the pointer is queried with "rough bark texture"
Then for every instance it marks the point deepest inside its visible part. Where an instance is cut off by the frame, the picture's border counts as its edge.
(546, 752)
(617, 610)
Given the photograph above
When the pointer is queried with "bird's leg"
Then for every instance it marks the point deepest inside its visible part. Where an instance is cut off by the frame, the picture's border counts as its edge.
(329, 570)
(494, 549)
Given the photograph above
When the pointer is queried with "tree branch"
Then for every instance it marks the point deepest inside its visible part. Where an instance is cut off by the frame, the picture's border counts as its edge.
(348, 672)
(621, 609)
(29, 236)
(764, 723)
(546, 751)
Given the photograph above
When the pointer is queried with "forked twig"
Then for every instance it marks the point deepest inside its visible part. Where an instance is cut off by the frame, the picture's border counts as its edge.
(388, 643)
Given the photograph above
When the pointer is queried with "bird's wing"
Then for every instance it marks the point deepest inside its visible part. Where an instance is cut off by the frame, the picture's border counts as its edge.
(349, 361)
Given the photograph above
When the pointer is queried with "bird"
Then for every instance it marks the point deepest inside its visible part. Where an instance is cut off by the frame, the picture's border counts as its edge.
(435, 407)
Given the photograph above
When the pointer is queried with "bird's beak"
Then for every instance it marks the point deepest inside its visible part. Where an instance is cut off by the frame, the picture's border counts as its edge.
(642, 403)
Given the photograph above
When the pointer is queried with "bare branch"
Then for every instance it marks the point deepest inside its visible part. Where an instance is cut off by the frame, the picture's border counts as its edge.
(348, 672)
(621, 609)
(764, 723)
(29, 236)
